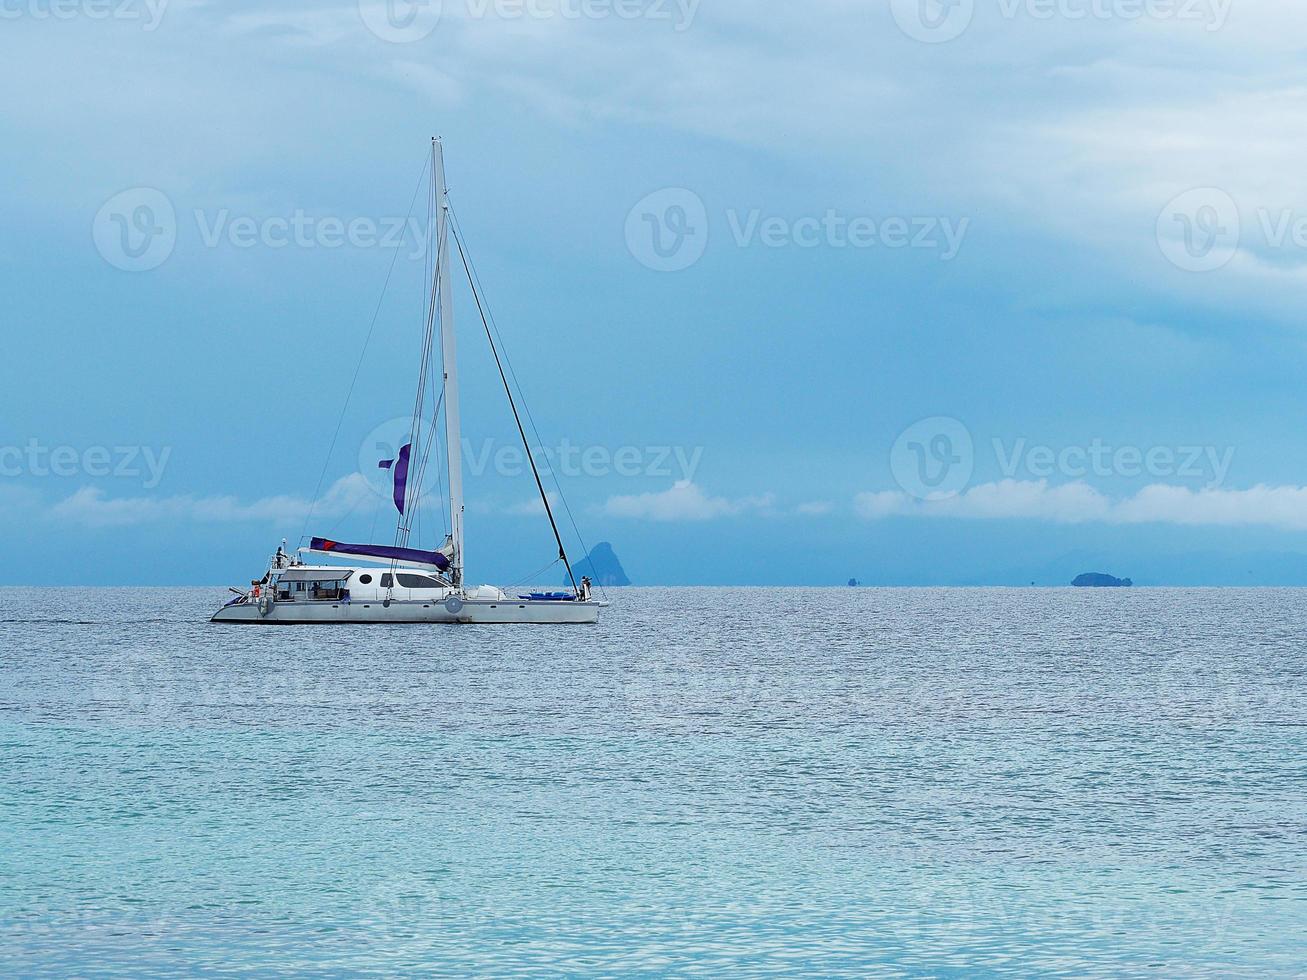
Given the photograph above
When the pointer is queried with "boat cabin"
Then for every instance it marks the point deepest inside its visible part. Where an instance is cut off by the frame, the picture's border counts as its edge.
(310, 583)
(307, 584)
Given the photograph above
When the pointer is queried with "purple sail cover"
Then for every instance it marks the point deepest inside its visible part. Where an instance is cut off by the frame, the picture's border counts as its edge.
(400, 470)
(382, 551)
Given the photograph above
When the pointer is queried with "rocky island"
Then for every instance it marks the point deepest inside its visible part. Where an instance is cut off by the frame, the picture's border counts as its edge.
(602, 566)
(1101, 580)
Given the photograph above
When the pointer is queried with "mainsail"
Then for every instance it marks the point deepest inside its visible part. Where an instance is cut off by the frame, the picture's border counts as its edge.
(386, 552)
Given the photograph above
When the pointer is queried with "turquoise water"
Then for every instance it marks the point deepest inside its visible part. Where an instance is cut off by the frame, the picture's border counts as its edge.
(717, 782)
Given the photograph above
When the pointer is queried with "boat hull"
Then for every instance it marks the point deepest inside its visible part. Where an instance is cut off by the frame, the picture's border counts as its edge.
(469, 611)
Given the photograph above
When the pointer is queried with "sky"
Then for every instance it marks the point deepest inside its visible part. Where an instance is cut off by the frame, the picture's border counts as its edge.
(976, 292)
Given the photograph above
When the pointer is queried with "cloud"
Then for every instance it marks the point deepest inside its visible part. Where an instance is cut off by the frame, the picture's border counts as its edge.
(1079, 503)
(18, 499)
(91, 507)
(1284, 507)
(531, 508)
(1116, 113)
(814, 508)
(685, 501)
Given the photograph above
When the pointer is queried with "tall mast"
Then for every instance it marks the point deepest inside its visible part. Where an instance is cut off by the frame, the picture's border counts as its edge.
(449, 356)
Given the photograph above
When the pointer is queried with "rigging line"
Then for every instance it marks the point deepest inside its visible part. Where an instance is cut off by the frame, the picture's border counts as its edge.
(525, 405)
(404, 523)
(424, 449)
(415, 426)
(432, 442)
(526, 445)
(426, 364)
(362, 354)
(376, 514)
(513, 374)
(445, 519)
(536, 574)
(433, 446)
(440, 472)
(358, 367)
(442, 468)
(335, 528)
(567, 507)
(422, 467)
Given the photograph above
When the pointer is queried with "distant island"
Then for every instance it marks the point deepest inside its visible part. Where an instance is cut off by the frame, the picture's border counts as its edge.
(602, 565)
(1101, 580)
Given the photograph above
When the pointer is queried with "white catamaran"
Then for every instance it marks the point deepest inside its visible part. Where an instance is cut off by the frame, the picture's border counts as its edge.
(399, 583)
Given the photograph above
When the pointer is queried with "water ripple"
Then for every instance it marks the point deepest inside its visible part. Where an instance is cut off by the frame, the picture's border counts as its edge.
(740, 782)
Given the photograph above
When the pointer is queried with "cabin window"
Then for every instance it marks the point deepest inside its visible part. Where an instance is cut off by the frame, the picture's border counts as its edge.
(323, 590)
(387, 582)
(365, 579)
(418, 582)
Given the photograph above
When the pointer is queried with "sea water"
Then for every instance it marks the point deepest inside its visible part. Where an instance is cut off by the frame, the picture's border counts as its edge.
(712, 781)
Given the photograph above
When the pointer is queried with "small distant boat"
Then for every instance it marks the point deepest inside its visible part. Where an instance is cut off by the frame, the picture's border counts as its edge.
(397, 583)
